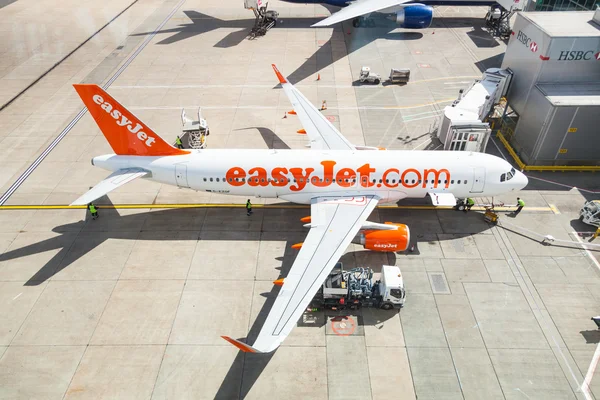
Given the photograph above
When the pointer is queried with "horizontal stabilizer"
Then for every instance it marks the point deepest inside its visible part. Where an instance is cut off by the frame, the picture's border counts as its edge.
(114, 180)
(442, 199)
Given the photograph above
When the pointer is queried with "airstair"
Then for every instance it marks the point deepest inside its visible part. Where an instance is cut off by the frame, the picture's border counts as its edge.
(196, 130)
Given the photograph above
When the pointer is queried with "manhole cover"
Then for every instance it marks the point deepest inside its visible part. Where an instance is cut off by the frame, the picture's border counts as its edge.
(438, 283)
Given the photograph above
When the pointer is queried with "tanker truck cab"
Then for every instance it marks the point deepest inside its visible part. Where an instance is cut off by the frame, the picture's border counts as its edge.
(391, 287)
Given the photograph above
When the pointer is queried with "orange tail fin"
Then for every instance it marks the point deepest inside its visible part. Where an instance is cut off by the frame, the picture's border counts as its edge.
(126, 134)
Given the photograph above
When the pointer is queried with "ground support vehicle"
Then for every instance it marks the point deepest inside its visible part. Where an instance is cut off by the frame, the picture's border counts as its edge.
(354, 289)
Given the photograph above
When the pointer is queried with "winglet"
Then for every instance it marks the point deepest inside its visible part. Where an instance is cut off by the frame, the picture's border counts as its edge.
(242, 346)
(279, 76)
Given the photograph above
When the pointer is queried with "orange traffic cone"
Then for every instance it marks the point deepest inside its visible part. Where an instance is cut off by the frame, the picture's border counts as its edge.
(324, 105)
(318, 77)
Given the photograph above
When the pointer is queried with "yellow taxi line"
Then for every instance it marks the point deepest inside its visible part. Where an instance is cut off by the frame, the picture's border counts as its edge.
(231, 205)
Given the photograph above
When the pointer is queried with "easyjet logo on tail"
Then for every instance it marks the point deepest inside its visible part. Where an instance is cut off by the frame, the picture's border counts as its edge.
(122, 120)
(126, 134)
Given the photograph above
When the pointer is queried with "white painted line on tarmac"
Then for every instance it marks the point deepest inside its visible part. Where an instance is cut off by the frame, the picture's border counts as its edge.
(585, 386)
(561, 184)
(82, 112)
(419, 145)
(17, 296)
(256, 107)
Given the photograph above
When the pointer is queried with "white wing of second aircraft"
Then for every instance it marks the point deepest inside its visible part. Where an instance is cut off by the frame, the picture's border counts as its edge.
(334, 223)
(358, 8)
(321, 133)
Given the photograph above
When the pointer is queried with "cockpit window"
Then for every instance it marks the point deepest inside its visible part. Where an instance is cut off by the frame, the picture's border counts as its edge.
(507, 176)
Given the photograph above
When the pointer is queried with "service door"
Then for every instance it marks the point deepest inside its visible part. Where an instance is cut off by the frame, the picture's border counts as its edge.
(181, 175)
(478, 180)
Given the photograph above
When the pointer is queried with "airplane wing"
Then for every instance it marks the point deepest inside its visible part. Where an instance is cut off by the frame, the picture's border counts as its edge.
(358, 8)
(113, 181)
(321, 133)
(334, 223)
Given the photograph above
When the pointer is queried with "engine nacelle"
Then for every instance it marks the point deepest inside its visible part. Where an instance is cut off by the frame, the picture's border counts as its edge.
(416, 16)
(385, 240)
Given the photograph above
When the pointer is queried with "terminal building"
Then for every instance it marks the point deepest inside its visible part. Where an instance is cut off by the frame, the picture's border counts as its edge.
(553, 103)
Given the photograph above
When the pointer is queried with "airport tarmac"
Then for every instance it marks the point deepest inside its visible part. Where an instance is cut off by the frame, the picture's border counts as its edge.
(132, 305)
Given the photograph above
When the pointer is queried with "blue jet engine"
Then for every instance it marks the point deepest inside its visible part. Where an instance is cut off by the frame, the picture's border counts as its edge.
(415, 16)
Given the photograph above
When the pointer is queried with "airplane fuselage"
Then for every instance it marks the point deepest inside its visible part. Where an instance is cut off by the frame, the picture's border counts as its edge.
(301, 175)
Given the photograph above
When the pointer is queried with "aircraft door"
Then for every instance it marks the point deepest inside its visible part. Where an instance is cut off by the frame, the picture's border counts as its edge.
(478, 180)
(181, 175)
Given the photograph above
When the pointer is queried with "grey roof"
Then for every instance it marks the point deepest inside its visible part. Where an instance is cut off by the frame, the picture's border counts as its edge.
(564, 23)
(573, 94)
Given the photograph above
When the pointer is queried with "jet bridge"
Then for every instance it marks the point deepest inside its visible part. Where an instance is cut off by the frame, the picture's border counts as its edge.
(462, 125)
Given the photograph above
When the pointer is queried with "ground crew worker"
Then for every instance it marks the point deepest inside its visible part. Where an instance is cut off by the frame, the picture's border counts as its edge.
(596, 234)
(520, 205)
(179, 143)
(470, 203)
(93, 210)
(248, 207)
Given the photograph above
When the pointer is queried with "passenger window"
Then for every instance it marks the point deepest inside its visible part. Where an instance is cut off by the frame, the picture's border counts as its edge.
(452, 181)
(217, 179)
(465, 181)
(211, 179)
(230, 179)
(204, 179)
(458, 181)
(413, 181)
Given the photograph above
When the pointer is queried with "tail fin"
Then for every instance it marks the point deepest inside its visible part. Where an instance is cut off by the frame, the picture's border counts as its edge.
(126, 134)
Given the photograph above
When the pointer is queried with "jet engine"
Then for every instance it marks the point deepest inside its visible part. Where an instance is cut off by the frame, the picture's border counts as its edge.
(415, 16)
(385, 240)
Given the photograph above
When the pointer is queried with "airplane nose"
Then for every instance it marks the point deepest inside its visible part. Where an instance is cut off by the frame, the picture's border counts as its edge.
(521, 180)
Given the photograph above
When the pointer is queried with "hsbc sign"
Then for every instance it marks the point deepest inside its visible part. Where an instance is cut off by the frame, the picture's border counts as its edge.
(577, 55)
(526, 40)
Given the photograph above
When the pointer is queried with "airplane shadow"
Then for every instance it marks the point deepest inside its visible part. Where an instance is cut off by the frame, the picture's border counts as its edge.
(324, 56)
(271, 139)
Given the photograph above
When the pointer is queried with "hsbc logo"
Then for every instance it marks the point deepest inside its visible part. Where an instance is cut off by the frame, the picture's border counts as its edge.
(122, 120)
(578, 55)
(526, 40)
(533, 46)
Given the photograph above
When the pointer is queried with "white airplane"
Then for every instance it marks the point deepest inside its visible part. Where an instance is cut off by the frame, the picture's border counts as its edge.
(342, 183)
(410, 14)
